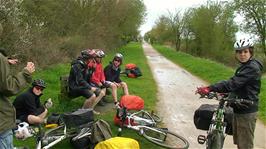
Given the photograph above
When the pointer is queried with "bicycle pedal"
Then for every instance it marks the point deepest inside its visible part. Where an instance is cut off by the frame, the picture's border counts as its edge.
(202, 139)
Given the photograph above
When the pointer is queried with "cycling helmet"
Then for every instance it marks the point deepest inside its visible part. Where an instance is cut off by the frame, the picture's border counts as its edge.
(242, 44)
(23, 131)
(100, 54)
(88, 53)
(118, 56)
(39, 82)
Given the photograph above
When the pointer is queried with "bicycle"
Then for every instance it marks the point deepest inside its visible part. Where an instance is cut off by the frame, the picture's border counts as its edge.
(217, 128)
(53, 136)
(145, 124)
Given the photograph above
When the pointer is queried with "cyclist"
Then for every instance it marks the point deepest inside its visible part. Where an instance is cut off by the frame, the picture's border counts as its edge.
(80, 72)
(28, 105)
(245, 84)
(112, 75)
(10, 85)
(98, 79)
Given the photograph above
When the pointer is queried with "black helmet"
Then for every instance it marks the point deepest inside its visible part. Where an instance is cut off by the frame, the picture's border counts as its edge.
(39, 82)
(88, 53)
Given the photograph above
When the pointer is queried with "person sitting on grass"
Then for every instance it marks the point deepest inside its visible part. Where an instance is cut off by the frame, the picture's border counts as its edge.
(28, 106)
(112, 76)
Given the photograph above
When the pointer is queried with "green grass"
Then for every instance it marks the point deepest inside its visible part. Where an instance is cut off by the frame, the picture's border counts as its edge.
(209, 71)
(144, 87)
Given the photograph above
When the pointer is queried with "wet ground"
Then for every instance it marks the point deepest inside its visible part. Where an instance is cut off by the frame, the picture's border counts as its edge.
(177, 100)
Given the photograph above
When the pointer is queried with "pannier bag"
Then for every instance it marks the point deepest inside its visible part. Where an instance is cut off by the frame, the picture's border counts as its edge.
(77, 118)
(203, 117)
(132, 71)
(118, 143)
(82, 143)
(132, 102)
(101, 131)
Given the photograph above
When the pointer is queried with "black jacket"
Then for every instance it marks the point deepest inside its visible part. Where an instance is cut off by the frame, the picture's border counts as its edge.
(245, 84)
(79, 75)
(112, 74)
(27, 103)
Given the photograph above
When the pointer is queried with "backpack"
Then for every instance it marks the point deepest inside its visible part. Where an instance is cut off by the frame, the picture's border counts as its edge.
(132, 71)
(118, 143)
(78, 117)
(100, 131)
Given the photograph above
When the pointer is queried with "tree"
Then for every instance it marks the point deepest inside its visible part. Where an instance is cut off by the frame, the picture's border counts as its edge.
(176, 23)
(254, 12)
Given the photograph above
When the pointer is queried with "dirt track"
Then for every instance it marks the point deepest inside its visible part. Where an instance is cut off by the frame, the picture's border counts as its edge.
(177, 101)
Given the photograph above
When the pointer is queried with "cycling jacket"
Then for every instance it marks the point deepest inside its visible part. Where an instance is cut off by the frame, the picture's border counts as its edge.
(79, 75)
(245, 84)
(112, 74)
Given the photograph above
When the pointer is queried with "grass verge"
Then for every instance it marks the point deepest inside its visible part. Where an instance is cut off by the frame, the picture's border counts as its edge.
(209, 71)
(144, 87)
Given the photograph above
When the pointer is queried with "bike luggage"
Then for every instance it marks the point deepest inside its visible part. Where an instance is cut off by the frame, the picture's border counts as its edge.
(132, 71)
(118, 143)
(101, 131)
(132, 102)
(78, 117)
(203, 117)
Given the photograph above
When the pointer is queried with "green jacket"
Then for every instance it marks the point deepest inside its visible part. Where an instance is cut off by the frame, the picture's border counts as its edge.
(9, 86)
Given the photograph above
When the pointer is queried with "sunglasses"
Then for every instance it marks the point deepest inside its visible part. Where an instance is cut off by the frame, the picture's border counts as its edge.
(39, 88)
(118, 60)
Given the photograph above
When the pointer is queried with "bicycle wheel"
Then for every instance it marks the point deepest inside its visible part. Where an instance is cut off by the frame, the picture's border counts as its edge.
(164, 138)
(215, 140)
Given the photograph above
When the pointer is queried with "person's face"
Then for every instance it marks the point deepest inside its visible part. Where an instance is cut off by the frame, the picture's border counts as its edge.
(117, 62)
(98, 60)
(37, 90)
(243, 55)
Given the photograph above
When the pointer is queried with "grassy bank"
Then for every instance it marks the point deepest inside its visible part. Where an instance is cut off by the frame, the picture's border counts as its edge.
(210, 71)
(144, 87)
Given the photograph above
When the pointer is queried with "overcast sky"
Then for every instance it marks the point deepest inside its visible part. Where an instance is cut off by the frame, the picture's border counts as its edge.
(156, 8)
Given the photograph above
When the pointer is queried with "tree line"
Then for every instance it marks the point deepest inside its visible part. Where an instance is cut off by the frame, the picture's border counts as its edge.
(209, 29)
(52, 31)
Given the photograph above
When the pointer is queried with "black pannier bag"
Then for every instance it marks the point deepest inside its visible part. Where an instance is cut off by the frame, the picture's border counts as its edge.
(203, 117)
(78, 117)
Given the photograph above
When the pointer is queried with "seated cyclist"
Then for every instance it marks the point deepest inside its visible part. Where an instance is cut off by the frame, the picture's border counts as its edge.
(98, 79)
(80, 72)
(112, 76)
(28, 106)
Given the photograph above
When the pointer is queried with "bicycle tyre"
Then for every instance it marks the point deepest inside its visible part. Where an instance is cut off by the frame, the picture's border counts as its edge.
(215, 140)
(170, 140)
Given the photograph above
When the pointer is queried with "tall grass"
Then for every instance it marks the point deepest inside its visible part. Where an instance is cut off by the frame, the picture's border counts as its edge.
(144, 87)
(210, 71)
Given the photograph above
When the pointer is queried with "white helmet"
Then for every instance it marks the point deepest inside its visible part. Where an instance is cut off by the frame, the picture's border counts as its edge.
(23, 131)
(100, 54)
(242, 44)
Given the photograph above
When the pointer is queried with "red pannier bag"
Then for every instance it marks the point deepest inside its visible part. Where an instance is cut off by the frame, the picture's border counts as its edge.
(132, 102)
(131, 66)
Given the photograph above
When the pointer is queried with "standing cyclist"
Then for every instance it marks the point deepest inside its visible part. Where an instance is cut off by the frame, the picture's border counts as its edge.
(10, 84)
(245, 84)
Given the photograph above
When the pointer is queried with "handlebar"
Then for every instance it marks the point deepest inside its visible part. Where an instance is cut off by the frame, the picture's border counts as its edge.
(224, 97)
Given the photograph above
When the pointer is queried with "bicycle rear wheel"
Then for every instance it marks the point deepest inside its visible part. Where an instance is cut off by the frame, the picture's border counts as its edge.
(215, 140)
(164, 138)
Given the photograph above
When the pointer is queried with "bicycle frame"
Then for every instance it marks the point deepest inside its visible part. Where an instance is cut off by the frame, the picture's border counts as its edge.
(56, 139)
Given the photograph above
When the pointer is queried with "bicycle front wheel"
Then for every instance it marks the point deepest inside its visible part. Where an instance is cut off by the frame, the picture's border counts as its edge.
(164, 138)
(215, 140)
